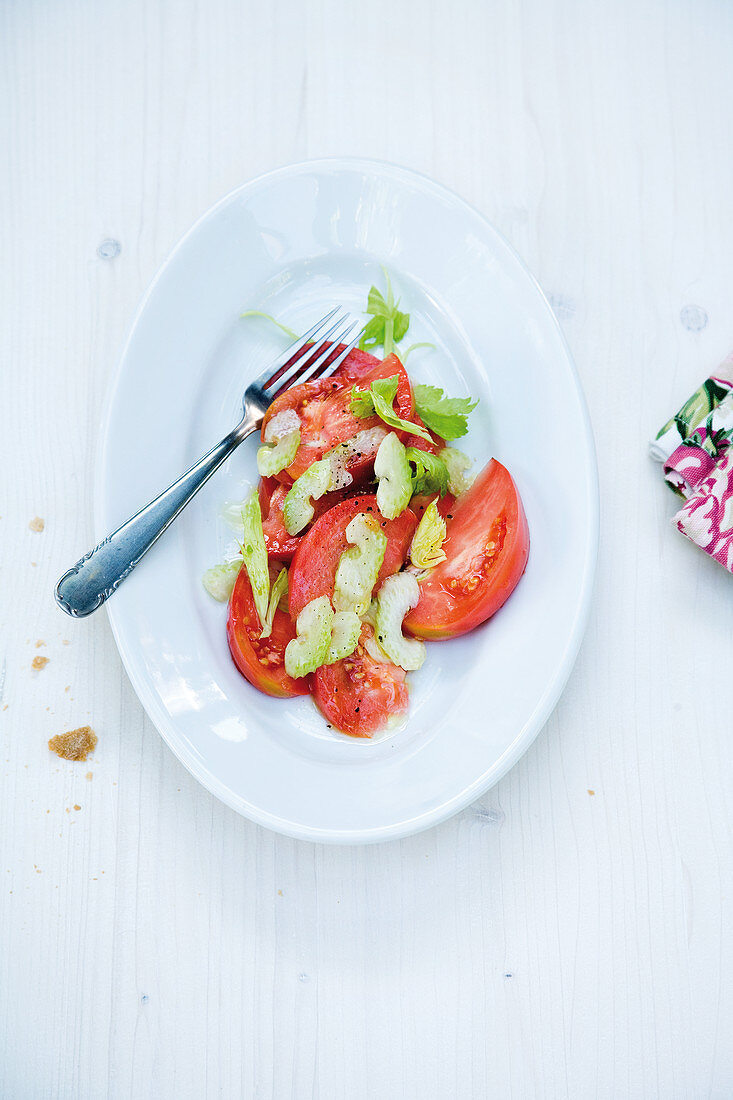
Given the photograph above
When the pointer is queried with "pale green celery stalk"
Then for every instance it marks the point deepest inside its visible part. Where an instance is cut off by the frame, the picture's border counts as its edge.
(344, 636)
(309, 650)
(278, 589)
(274, 457)
(358, 567)
(426, 547)
(395, 477)
(254, 553)
(297, 508)
(268, 317)
(397, 595)
(388, 336)
(414, 347)
(219, 581)
(458, 466)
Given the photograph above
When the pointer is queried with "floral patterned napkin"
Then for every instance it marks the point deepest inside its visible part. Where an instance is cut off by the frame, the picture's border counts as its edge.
(695, 449)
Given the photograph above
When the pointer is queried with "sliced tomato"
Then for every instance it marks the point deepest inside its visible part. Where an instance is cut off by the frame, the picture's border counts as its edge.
(358, 695)
(313, 571)
(265, 489)
(445, 504)
(324, 408)
(280, 545)
(487, 547)
(260, 660)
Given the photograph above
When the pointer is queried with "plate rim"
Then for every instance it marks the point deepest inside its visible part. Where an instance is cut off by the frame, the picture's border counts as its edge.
(555, 688)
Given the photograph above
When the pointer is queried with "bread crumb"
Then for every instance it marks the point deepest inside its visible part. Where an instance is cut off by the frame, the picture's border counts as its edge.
(39, 643)
(591, 792)
(65, 642)
(37, 524)
(89, 776)
(74, 744)
(68, 687)
(39, 662)
(77, 806)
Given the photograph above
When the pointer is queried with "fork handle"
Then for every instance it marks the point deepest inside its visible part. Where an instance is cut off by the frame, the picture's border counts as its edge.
(94, 578)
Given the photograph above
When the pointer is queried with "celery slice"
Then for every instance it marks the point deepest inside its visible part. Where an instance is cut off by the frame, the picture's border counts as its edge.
(274, 457)
(457, 465)
(219, 581)
(375, 651)
(358, 568)
(344, 636)
(395, 477)
(426, 547)
(278, 589)
(309, 650)
(396, 596)
(254, 553)
(297, 508)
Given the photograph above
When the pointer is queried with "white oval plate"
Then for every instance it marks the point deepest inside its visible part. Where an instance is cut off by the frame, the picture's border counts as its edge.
(294, 243)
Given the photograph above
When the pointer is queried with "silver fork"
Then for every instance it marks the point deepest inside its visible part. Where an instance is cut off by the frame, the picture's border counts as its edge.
(94, 578)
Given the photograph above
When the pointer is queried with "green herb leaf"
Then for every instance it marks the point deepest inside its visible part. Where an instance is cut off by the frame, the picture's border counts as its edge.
(431, 473)
(446, 416)
(387, 324)
(378, 399)
(361, 403)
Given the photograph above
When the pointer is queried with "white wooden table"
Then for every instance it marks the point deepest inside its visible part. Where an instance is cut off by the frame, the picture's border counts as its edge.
(572, 933)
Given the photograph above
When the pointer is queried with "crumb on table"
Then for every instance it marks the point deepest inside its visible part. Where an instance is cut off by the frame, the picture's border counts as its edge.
(37, 524)
(39, 662)
(74, 744)
(39, 643)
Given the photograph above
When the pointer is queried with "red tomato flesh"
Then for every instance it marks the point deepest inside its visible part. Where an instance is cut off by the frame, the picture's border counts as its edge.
(313, 571)
(260, 660)
(280, 545)
(487, 547)
(358, 695)
(324, 408)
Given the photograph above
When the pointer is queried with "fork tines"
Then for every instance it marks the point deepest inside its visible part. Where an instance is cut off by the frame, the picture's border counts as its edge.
(312, 356)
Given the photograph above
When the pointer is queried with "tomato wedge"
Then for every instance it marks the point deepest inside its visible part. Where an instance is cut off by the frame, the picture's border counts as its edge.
(445, 504)
(260, 660)
(326, 419)
(280, 545)
(358, 695)
(487, 545)
(313, 571)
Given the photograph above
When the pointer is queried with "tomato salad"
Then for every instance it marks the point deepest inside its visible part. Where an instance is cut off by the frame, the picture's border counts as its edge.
(366, 537)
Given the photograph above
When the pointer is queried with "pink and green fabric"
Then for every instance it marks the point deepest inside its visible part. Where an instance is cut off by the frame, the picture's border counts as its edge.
(696, 452)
